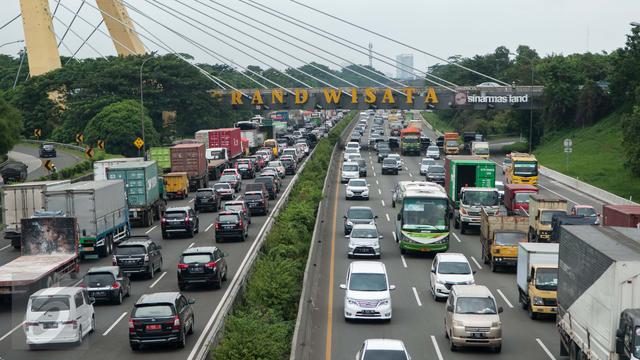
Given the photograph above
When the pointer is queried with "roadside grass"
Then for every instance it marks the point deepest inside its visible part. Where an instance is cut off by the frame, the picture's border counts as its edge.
(438, 125)
(597, 157)
(516, 147)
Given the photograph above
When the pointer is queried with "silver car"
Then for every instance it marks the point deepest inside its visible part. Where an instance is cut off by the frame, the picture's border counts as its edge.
(433, 152)
(424, 165)
(364, 241)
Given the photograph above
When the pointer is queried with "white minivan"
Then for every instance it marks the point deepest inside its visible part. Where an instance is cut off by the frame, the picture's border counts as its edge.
(367, 294)
(350, 170)
(59, 315)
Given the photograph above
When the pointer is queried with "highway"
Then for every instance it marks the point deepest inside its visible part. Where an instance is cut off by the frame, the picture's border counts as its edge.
(417, 319)
(30, 156)
(110, 340)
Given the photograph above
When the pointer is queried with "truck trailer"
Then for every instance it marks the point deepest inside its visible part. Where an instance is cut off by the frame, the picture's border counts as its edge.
(190, 158)
(621, 215)
(500, 236)
(100, 167)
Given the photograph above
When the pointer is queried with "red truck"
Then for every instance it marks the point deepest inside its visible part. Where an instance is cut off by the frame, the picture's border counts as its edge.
(49, 248)
(516, 198)
(190, 158)
(621, 215)
(222, 146)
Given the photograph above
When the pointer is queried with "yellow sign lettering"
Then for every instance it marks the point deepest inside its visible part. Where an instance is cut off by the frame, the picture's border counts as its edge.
(387, 98)
(354, 95)
(301, 96)
(257, 98)
(409, 92)
(331, 96)
(277, 94)
(431, 97)
(369, 95)
(236, 98)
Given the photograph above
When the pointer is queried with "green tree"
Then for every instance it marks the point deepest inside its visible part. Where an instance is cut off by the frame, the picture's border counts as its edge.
(119, 125)
(625, 77)
(593, 104)
(10, 126)
(630, 136)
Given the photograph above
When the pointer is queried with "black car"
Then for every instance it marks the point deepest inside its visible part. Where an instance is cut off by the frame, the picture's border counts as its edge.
(47, 150)
(257, 202)
(107, 283)
(207, 199)
(394, 142)
(289, 166)
(425, 141)
(13, 171)
(229, 225)
(180, 220)
(440, 141)
(161, 318)
(138, 255)
(362, 167)
(435, 174)
(358, 215)
(390, 166)
(382, 154)
(270, 184)
(238, 205)
(202, 265)
(246, 170)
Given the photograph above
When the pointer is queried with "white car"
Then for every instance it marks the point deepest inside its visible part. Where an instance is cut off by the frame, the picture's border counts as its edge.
(303, 144)
(350, 170)
(398, 159)
(424, 165)
(368, 293)
(297, 134)
(448, 269)
(433, 152)
(350, 151)
(383, 349)
(266, 154)
(59, 315)
(364, 240)
(353, 145)
(357, 188)
(233, 172)
(278, 166)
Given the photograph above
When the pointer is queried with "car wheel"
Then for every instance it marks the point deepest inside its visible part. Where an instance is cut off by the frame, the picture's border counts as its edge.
(135, 347)
(497, 349)
(182, 341)
(165, 235)
(463, 227)
(118, 299)
(494, 266)
(152, 272)
(190, 233)
(456, 223)
(93, 325)
(128, 290)
(218, 283)
(160, 266)
(79, 342)
(224, 277)
(452, 346)
(193, 320)
(182, 286)
(531, 313)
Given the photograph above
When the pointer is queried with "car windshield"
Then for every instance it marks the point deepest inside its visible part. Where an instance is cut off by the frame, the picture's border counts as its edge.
(427, 162)
(204, 193)
(274, 163)
(476, 305)
(352, 151)
(251, 197)
(433, 148)
(228, 218)
(481, 198)
(359, 183)
(384, 355)
(225, 178)
(174, 215)
(243, 166)
(586, 211)
(360, 214)
(509, 238)
(522, 197)
(196, 258)
(436, 169)
(50, 303)
(146, 311)
(221, 186)
(454, 268)
(130, 250)
(524, 168)
(547, 279)
(368, 282)
(98, 279)
(364, 233)
(350, 167)
(410, 139)
(546, 216)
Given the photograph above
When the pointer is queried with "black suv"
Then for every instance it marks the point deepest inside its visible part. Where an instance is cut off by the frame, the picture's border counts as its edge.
(47, 150)
(180, 219)
(107, 283)
(383, 153)
(270, 184)
(161, 318)
(257, 202)
(435, 174)
(202, 265)
(229, 225)
(289, 166)
(138, 255)
(207, 199)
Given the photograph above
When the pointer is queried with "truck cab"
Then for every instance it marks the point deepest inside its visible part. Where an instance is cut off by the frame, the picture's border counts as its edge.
(410, 141)
(541, 212)
(480, 148)
(523, 169)
(499, 237)
(451, 144)
(472, 201)
(516, 198)
(537, 278)
(628, 335)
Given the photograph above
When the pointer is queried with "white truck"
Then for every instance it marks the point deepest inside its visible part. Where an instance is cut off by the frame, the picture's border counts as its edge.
(480, 148)
(100, 167)
(537, 278)
(20, 201)
(598, 286)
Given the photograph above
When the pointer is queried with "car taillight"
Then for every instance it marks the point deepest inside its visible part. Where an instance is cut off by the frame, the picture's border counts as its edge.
(182, 266)
(71, 322)
(186, 221)
(83, 285)
(211, 265)
(176, 323)
(115, 285)
(240, 224)
(217, 225)
(131, 326)
(163, 221)
(114, 260)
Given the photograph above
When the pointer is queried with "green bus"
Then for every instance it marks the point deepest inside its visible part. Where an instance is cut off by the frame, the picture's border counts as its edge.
(422, 224)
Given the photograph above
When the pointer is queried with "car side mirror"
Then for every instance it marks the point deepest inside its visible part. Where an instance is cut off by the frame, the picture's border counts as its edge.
(375, 217)
(619, 333)
(500, 310)
(343, 286)
(92, 300)
(368, 185)
(346, 236)
(345, 217)
(449, 308)
(433, 270)
(120, 279)
(474, 272)
(191, 301)
(392, 287)
(381, 237)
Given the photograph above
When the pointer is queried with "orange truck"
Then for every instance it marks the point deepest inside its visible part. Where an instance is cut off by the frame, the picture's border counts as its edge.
(451, 143)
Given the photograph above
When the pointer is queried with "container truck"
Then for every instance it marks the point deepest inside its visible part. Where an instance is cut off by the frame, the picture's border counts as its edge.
(598, 286)
(100, 167)
(516, 198)
(143, 190)
(537, 278)
(224, 145)
(49, 253)
(451, 144)
(190, 158)
(410, 141)
(20, 201)
(541, 212)
(162, 156)
(499, 238)
(100, 208)
(621, 215)
(229, 138)
(523, 169)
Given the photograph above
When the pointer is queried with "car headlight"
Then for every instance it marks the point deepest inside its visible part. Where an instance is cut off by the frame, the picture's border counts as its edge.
(440, 281)
(463, 211)
(457, 323)
(442, 241)
(349, 223)
(366, 192)
(496, 323)
(349, 192)
(351, 302)
(537, 300)
(383, 302)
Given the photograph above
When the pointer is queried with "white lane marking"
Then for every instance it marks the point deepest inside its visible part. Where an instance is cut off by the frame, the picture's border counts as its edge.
(541, 345)
(6, 247)
(11, 331)
(190, 201)
(372, 168)
(561, 196)
(374, 173)
(388, 218)
(406, 168)
(394, 236)
(377, 182)
(114, 324)
(410, 174)
(379, 191)
(435, 345)
(415, 293)
(404, 262)
(504, 298)
(208, 227)
(191, 245)
(150, 230)
(382, 202)
(157, 281)
(476, 262)
(456, 236)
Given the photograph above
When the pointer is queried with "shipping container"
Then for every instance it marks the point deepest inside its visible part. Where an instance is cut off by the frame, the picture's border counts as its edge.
(162, 155)
(100, 167)
(467, 171)
(228, 138)
(621, 215)
(20, 201)
(190, 158)
(100, 208)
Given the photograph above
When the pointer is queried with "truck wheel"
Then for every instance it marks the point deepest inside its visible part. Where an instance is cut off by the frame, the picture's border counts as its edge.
(563, 349)
(456, 223)
(532, 315)
(494, 267)
(463, 227)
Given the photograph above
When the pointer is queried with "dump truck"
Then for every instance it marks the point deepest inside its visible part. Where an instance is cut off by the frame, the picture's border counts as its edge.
(162, 156)
(523, 169)
(100, 167)
(143, 190)
(537, 278)
(21, 201)
(100, 208)
(541, 212)
(176, 185)
(191, 158)
(451, 143)
(410, 141)
(516, 198)
(621, 215)
(49, 252)
(500, 236)
(598, 286)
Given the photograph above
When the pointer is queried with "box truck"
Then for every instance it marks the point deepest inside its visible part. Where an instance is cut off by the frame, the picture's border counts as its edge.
(537, 278)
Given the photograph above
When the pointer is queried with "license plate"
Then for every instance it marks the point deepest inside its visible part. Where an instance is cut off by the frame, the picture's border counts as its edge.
(130, 261)
(154, 327)
(252, 205)
(88, 248)
(424, 250)
(228, 226)
(98, 293)
(478, 335)
(196, 270)
(49, 325)
(368, 311)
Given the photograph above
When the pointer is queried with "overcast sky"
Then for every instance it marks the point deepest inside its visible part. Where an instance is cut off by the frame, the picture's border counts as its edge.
(443, 28)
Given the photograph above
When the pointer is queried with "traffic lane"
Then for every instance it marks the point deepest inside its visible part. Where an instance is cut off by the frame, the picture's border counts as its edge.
(62, 160)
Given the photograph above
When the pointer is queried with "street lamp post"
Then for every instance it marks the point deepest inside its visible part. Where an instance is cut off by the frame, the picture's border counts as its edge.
(144, 143)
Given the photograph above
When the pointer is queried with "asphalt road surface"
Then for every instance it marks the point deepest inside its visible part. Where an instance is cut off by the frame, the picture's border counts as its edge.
(30, 156)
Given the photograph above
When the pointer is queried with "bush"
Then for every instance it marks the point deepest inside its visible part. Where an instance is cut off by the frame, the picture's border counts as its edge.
(261, 327)
(516, 147)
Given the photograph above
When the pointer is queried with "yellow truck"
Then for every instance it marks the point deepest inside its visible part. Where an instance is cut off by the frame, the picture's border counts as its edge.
(541, 212)
(451, 143)
(499, 238)
(176, 185)
(523, 169)
(537, 278)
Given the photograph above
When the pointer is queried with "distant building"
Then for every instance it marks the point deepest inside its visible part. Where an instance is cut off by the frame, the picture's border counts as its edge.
(404, 63)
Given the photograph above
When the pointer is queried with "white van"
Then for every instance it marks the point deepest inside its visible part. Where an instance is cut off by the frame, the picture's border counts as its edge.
(350, 170)
(367, 294)
(59, 315)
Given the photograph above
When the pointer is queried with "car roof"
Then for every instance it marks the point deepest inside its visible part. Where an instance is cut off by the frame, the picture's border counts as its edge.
(452, 257)
(369, 267)
(62, 290)
(234, 202)
(364, 226)
(159, 297)
(228, 212)
(178, 208)
(205, 189)
(200, 250)
(472, 291)
(222, 183)
(135, 242)
(115, 270)
(360, 208)
(384, 344)
(254, 192)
